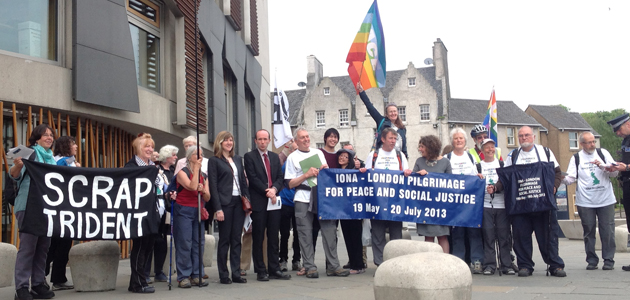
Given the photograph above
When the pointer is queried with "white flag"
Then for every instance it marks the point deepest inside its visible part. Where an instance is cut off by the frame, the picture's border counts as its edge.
(281, 126)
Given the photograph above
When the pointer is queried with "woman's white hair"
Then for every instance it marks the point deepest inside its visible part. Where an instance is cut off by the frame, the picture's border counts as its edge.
(189, 154)
(167, 151)
(455, 131)
(190, 139)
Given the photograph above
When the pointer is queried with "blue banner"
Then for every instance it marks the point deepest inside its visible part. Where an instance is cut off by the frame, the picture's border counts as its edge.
(436, 198)
(528, 188)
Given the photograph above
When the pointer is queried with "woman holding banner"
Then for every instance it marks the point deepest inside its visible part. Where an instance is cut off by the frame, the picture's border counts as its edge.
(65, 150)
(227, 185)
(431, 161)
(351, 229)
(391, 120)
(30, 262)
(143, 246)
(185, 218)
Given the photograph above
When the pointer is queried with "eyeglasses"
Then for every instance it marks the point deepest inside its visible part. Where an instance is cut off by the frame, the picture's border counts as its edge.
(588, 143)
(525, 135)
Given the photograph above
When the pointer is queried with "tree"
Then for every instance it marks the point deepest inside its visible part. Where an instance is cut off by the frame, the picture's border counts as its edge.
(609, 140)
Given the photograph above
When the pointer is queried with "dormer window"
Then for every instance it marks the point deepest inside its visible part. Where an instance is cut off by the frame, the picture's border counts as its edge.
(411, 82)
(326, 91)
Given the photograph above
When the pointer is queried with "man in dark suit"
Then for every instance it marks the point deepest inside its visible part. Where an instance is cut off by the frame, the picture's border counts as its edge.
(264, 172)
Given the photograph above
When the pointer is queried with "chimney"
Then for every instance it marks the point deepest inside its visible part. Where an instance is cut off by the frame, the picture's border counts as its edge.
(440, 61)
(315, 72)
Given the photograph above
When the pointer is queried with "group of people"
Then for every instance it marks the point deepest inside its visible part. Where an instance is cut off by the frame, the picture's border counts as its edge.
(278, 194)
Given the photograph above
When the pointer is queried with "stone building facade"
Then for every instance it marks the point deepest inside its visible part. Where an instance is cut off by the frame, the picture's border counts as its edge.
(423, 98)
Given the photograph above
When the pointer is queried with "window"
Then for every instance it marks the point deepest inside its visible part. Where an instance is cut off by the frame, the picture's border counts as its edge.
(510, 136)
(320, 119)
(319, 145)
(402, 113)
(29, 28)
(144, 24)
(411, 82)
(425, 114)
(343, 118)
(326, 91)
(573, 140)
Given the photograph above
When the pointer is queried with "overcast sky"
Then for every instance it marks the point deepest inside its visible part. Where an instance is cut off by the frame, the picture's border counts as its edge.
(575, 53)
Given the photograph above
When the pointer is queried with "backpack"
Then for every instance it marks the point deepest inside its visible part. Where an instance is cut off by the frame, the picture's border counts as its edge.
(517, 151)
(397, 156)
(479, 166)
(472, 160)
(10, 187)
(577, 161)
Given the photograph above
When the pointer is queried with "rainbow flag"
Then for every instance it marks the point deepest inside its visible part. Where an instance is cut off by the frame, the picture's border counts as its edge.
(490, 121)
(367, 53)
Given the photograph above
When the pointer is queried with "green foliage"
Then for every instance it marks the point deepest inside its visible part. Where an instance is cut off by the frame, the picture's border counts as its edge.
(565, 107)
(609, 140)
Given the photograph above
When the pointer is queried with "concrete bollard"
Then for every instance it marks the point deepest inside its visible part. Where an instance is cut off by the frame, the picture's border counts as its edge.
(208, 250)
(8, 253)
(94, 266)
(428, 275)
(398, 248)
(621, 238)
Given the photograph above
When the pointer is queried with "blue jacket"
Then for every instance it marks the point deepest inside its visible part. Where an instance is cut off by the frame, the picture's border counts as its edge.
(287, 194)
(386, 123)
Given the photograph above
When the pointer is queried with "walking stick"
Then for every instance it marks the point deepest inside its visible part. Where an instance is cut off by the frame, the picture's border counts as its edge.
(170, 253)
(197, 115)
(496, 238)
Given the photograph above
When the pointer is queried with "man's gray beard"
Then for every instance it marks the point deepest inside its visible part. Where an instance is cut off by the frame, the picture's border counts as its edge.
(526, 145)
(589, 152)
(478, 146)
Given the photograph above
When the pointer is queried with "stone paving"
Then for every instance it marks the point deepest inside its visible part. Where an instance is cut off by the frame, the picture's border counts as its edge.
(579, 283)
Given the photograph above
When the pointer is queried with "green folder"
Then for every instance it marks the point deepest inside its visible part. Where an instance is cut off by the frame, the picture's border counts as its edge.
(306, 164)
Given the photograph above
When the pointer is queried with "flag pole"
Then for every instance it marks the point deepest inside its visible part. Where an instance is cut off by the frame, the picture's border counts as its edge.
(196, 8)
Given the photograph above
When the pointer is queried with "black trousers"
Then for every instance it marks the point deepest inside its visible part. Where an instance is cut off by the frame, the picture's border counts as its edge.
(287, 222)
(141, 248)
(269, 221)
(522, 227)
(352, 230)
(625, 200)
(230, 238)
(160, 249)
(58, 256)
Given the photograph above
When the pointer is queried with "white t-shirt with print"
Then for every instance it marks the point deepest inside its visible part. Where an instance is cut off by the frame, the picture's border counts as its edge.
(386, 160)
(594, 188)
(294, 170)
(489, 171)
(462, 165)
(525, 157)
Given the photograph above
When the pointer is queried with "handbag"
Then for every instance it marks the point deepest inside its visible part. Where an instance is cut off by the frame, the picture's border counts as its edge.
(247, 206)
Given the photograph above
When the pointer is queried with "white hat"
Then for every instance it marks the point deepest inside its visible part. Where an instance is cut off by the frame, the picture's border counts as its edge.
(485, 141)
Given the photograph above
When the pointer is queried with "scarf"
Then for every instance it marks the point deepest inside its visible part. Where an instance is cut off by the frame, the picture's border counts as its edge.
(43, 155)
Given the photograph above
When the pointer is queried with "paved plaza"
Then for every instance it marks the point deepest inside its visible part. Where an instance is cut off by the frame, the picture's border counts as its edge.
(579, 283)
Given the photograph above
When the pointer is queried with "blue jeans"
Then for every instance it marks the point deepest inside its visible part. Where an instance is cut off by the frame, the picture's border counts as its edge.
(475, 241)
(186, 235)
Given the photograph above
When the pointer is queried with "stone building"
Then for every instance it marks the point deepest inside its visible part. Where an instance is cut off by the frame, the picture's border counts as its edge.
(562, 137)
(423, 98)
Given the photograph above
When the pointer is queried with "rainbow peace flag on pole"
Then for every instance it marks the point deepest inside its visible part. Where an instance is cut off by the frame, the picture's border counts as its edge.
(490, 121)
(367, 53)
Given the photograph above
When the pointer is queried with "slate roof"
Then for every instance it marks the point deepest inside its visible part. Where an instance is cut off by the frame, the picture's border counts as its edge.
(296, 97)
(561, 118)
(474, 111)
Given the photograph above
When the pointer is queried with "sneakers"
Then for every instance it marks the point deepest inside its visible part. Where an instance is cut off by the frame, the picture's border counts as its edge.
(42, 292)
(160, 278)
(626, 268)
(508, 271)
(283, 266)
(62, 286)
(340, 272)
(476, 267)
(488, 271)
(524, 272)
(312, 274)
(608, 267)
(591, 267)
(355, 272)
(559, 272)
(295, 266)
(23, 294)
(195, 281)
(185, 283)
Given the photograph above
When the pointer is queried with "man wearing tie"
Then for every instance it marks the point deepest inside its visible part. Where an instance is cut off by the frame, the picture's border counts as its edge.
(264, 173)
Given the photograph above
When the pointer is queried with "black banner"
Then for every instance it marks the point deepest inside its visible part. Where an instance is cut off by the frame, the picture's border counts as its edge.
(528, 187)
(89, 203)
